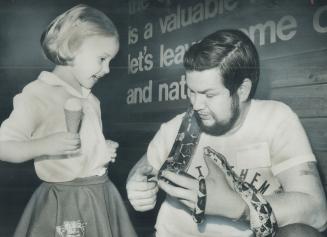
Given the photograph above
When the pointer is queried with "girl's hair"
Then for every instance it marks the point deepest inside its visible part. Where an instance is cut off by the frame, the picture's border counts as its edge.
(232, 52)
(65, 34)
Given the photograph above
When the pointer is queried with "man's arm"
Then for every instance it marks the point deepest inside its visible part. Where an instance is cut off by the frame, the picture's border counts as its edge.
(302, 200)
(141, 187)
(56, 144)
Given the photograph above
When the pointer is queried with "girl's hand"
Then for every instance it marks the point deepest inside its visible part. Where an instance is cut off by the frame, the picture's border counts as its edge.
(60, 144)
(112, 150)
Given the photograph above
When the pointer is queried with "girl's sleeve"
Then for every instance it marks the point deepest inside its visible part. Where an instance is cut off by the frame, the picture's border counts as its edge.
(23, 120)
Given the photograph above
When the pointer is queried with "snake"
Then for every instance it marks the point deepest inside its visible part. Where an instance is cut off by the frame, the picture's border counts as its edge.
(262, 219)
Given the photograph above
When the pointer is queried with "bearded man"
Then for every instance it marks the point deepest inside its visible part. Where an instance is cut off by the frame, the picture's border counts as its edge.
(231, 165)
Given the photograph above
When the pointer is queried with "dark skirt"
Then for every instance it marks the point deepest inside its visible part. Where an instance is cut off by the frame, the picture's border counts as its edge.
(88, 207)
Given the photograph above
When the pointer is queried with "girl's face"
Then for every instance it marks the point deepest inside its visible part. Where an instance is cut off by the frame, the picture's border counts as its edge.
(93, 58)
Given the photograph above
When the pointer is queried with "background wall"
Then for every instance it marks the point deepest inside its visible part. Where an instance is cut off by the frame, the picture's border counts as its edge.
(146, 85)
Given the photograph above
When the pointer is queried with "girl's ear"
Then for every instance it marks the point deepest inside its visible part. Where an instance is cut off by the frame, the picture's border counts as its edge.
(244, 90)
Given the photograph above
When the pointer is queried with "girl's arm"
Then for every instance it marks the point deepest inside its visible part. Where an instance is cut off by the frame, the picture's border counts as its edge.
(55, 144)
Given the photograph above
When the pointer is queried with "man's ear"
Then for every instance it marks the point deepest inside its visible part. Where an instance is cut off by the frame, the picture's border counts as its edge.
(244, 90)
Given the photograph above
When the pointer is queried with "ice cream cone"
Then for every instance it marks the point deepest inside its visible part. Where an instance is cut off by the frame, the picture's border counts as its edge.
(73, 114)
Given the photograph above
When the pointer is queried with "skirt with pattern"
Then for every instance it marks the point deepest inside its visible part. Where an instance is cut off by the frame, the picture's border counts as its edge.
(87, 207)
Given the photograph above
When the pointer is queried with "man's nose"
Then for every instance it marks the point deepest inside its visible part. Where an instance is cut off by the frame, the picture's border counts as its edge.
(198, 102)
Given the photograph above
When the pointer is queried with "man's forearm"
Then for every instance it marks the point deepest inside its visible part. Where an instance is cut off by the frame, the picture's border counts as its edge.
(303, 199)
(292, 207)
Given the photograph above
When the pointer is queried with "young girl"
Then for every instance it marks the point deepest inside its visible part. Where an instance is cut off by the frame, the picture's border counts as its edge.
(76, 197)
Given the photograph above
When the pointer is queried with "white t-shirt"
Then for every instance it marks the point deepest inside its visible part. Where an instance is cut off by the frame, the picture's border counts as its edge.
(270, 140)
(39, 111)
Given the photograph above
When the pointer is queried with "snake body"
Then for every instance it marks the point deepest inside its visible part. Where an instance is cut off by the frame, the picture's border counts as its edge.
(262, 219)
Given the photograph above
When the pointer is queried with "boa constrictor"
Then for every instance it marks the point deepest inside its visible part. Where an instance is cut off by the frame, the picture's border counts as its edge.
(262, 219)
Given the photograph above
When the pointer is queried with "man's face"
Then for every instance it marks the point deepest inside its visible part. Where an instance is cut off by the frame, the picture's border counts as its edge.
(217, 110)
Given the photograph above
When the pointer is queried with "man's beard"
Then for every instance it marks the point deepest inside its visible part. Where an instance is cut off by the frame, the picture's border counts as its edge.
(219, 128)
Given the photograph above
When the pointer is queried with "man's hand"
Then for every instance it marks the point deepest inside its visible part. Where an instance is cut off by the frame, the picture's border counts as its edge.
(182, 187)
(186, 188)
(141, 187)
(221, 198)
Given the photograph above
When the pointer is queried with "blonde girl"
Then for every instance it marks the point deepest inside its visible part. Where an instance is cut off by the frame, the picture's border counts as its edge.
(76, 197)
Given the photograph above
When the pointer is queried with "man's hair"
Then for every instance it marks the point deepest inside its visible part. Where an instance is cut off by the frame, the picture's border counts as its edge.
(232, 52)
(65, 34)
